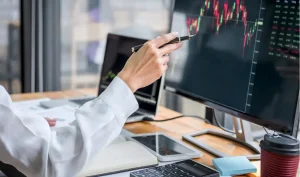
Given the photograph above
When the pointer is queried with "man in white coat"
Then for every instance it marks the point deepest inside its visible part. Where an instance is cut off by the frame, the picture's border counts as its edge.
(28, 143)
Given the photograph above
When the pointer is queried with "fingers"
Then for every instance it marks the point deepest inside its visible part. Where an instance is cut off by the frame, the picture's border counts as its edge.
(164, 60)
(164, 68)
(170, 48)
(164, 64)
(51, 122)
(153, 47)
(164, 39)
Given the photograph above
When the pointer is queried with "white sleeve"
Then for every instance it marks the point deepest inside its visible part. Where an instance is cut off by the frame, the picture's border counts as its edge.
(28, 143)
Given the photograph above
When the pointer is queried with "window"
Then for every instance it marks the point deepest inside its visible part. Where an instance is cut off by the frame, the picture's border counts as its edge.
(9, 45)
(85, 24)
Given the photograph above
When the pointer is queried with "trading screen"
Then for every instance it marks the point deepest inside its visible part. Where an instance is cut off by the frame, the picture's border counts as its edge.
(245, 55)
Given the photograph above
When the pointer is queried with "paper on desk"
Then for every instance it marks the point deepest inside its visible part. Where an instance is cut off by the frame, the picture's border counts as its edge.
(30, 105)
(64, 114)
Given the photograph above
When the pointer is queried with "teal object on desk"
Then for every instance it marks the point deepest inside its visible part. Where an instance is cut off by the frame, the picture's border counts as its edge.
(230, 166)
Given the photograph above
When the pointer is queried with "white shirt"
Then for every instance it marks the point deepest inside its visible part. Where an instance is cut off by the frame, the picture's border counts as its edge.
(28, 143)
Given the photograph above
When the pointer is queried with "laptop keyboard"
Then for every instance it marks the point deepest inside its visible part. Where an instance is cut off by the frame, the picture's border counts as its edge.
(186, 168)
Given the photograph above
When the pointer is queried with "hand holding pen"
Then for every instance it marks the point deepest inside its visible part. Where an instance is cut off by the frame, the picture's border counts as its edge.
(149, 63)
(174, 41)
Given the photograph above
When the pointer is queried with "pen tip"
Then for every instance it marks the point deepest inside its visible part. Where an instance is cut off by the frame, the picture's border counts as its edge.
(192, 35)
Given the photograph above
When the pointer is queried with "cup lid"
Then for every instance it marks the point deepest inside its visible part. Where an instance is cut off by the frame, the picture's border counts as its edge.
(281, 144)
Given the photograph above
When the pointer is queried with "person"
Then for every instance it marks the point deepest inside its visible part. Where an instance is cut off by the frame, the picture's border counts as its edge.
(28, 143)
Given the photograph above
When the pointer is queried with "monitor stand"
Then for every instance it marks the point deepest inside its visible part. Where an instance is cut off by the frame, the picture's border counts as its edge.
(242, 136)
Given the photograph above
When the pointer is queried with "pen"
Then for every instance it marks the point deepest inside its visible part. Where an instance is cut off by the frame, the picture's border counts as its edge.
(176, 40)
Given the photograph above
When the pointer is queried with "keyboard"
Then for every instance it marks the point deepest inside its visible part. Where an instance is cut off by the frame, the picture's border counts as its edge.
(81, 101)
(187, 168)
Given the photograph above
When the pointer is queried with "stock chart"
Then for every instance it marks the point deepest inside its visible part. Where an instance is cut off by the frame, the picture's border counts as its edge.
(221, 14)
(245, 55)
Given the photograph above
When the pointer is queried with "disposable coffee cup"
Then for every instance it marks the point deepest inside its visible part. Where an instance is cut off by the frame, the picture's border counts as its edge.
(280, 156)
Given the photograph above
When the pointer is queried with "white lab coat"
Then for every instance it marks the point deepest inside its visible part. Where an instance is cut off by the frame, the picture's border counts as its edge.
(28, 143)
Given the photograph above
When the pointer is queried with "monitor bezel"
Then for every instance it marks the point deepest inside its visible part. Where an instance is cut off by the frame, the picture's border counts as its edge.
(242, 115)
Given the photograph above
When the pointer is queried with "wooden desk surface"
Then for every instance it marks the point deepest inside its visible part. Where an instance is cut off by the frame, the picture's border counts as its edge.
(174, 128)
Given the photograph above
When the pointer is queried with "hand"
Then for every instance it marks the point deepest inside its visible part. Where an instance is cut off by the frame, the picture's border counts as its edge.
(51, 122)
(149, 63)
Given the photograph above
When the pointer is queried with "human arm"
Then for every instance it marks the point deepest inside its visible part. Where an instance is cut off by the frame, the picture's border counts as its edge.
(28, 143)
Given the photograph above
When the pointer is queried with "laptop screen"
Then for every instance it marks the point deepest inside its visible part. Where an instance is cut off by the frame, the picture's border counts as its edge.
(117, 52)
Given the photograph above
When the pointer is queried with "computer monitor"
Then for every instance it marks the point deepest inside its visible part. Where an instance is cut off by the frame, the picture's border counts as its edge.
(117, 52)
(244, 59)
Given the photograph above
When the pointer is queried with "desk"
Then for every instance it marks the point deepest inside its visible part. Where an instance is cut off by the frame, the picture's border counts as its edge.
(175, 128)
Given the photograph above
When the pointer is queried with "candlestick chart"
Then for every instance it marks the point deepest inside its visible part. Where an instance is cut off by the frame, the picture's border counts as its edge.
(238, 49)
(221, 14)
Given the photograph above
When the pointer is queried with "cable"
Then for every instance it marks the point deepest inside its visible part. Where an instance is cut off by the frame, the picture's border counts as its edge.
(266, 130)
(183, 116)
(219, 125)
(173, 118)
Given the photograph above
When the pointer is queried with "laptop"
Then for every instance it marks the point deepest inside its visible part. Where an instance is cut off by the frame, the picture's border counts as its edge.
(117, 52)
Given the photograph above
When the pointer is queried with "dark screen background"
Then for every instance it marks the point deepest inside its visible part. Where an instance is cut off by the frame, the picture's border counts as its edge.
(216, 67)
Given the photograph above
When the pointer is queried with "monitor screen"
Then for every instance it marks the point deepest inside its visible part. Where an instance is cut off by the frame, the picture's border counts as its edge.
(244, 57)
(117, 52)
